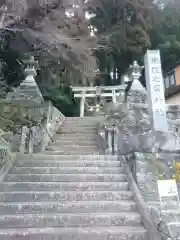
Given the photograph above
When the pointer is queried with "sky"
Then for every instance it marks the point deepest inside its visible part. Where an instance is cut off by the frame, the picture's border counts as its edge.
(70, 14)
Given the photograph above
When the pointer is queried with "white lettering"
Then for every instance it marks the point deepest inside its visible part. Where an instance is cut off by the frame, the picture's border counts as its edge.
(155, 88)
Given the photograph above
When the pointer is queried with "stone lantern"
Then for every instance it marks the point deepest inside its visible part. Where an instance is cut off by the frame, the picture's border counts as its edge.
(28, 92)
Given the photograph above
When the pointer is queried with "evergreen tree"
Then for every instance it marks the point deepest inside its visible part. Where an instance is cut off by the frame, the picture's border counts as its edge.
(165, 33)
(125, 24)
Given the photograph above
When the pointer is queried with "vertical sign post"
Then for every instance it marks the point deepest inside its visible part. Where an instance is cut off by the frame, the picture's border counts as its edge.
(155, 90)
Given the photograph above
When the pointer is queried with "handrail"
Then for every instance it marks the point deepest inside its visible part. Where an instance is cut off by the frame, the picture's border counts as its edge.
(43, 134)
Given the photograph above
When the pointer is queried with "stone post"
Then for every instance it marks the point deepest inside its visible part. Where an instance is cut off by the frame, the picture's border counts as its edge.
(106, 137)
(24, 132)
(82, 103)
(115, 139)
(113, 96)
(31, 140)
(46, 136)
(109, 140)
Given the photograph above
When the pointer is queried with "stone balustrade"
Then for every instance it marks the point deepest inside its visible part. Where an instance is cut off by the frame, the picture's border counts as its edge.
(37, 137)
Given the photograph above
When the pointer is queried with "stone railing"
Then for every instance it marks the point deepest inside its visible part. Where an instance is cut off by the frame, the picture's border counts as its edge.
(4, 149)
(109, 136)
(29, 129)
(6, 156)
(42, 135)
(37, 137)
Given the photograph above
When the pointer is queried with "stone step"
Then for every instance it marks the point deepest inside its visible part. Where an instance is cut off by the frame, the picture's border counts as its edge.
(64, 196)
(78, 126)
(84, 123)
(66, 170)
(84, 118)
(77, 130)
(73, 152)
(71, 147)
(74, 136)
(65, 178)
(87, 124)
(69, 163)
(42, 156)
(75, 139)
(63, 186)
(70, 220)
(74, 143)
(81, 233)
(67, 207)
(89, 120)
(81, 150)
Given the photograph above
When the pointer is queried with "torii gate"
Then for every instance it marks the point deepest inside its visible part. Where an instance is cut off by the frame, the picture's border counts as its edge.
(92, 92)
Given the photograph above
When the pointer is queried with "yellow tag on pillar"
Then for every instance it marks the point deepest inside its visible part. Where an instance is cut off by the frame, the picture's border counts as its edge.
(177, 166)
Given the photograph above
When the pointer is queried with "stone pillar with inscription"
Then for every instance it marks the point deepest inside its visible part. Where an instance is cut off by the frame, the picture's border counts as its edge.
(155, 90)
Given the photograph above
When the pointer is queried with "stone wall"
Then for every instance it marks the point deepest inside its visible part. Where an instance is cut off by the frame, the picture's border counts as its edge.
(174, 99)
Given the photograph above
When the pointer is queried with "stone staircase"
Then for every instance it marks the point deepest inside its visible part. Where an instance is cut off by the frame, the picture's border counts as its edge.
(76, 137)
(70, 192)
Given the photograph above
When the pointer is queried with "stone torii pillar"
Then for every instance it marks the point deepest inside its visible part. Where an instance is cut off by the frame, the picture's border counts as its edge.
(113, 96)
(82, 103)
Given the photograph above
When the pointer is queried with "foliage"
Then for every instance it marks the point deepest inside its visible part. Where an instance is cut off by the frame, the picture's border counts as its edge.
(62, 98)
(126, 24)
(133, 26)
(10, 62)
(165, 33)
